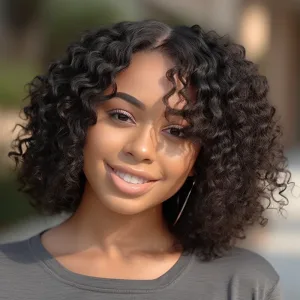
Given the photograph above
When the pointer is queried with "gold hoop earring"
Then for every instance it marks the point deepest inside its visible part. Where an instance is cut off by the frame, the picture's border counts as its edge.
(184, 204)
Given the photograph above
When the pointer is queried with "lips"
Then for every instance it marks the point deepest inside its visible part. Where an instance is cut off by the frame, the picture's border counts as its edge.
(134, 172)
(130, 189)
(130, 178)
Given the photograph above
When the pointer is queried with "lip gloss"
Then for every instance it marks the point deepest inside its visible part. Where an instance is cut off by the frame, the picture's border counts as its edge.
(131, 189)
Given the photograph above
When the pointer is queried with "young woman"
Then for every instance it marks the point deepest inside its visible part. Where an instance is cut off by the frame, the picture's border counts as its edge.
(162, 144)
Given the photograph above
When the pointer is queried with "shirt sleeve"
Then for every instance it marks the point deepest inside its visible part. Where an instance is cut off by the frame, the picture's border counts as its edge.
(275, 293)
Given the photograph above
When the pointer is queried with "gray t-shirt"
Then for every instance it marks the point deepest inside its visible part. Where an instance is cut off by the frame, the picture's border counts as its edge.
(28, 271)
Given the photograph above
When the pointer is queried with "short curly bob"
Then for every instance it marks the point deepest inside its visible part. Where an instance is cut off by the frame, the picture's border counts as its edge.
(241, 163)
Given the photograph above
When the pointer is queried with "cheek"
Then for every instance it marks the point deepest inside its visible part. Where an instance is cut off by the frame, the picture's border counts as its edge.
(177, 169)
(179, 165)
(102, 141)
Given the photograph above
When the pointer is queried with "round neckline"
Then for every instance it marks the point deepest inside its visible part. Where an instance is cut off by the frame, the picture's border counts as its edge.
(107, 284)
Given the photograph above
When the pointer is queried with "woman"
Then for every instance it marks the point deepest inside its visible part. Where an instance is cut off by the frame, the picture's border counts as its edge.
(162, 144)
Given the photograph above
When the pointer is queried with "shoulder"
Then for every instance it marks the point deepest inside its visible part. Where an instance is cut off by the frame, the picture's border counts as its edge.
(14, 254)
(21, 272)
(246, 261)
(240, 271)
(17, 259)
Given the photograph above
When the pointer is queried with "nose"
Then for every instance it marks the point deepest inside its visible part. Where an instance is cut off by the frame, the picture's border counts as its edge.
(142, 145)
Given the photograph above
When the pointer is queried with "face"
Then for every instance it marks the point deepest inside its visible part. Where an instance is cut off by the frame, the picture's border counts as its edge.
(134, 158)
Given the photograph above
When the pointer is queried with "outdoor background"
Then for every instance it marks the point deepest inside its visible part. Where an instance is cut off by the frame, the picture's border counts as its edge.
(35, 32)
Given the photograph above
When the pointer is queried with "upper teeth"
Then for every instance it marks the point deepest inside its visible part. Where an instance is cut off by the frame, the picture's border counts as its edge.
(129, 178)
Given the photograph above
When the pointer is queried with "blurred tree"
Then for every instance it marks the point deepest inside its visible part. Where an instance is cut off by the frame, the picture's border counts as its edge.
(14, 205)
(65, 20)
(20, 48)
(158, 12)
(20, 19)
(21, 13)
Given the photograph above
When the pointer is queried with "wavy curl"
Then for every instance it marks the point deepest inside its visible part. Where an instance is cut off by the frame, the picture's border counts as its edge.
(241, 164)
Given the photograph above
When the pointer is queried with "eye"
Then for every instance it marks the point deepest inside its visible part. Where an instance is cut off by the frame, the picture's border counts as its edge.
(176, 131)
(121, 116)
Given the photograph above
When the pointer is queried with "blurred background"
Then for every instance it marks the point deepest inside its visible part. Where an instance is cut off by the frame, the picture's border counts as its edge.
(34, 32)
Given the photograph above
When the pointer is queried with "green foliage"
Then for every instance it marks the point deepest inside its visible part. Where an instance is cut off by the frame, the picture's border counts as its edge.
(65, 20)
(13, 78)
(14, 205)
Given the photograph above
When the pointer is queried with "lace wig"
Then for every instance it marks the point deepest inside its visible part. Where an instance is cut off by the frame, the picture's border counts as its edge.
(241, 162)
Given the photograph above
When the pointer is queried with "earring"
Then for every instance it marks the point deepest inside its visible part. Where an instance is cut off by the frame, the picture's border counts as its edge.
(184, 204)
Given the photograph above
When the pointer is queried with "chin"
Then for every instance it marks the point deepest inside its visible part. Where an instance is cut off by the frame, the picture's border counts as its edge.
(125, 206)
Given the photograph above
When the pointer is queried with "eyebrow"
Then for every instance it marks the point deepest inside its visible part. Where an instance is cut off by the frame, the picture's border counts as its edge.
(131, 100)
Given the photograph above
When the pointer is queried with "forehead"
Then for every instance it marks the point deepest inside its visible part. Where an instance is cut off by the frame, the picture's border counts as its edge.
(145, 78)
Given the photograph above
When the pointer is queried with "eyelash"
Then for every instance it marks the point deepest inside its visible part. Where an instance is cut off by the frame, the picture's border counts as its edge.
(112, 113)
(128, 115)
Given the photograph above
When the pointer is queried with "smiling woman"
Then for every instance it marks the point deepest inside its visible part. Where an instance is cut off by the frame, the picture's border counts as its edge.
(133, 138)
(162, 143)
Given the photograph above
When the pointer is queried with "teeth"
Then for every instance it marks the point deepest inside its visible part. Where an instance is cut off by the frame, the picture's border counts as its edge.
(130, 179)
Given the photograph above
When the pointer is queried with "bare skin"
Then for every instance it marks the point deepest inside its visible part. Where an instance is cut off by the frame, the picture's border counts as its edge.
(115, 234)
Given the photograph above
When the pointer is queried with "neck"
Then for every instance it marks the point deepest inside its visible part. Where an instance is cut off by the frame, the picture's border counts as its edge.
(95, 225)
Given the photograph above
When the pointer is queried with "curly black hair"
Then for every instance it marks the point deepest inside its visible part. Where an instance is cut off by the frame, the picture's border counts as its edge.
(241, 163)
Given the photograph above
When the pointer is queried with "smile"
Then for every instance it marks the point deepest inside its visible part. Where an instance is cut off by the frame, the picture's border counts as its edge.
(129, 184)
(130, 178)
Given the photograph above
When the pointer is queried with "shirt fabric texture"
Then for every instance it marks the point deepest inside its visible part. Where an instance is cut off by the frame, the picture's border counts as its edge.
(28, 271)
